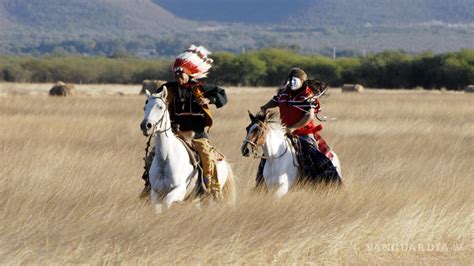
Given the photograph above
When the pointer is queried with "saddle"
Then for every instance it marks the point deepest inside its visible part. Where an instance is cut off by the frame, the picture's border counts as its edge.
(197, 187)
(193, 154)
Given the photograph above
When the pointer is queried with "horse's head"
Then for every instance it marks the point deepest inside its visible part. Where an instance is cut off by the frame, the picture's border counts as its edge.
(155, 112)
(256, 133)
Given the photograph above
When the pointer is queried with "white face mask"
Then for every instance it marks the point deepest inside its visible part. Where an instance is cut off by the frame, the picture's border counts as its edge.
(295, 83)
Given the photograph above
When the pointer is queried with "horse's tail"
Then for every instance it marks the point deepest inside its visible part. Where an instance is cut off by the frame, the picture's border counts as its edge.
(229, 191)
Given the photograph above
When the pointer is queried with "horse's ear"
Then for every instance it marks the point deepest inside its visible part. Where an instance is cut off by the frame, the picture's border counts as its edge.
(147, 92)
(252, 117)
(267, 115)
(164, 92)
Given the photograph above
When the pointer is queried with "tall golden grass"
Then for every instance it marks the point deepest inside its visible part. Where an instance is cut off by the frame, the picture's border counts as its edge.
(71, 170)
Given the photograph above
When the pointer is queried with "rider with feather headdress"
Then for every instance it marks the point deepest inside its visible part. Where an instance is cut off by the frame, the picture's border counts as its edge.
(188, 102)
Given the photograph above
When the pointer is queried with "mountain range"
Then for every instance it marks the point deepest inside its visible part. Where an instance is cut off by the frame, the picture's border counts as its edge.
(163, 27)
(323, 12)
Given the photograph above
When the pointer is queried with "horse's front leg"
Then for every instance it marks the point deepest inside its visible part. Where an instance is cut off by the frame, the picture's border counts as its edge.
(283, 187)
(176, 194)
(157, 183)
(155, 201)
(278, 185)
(156, 196)
(277, 181)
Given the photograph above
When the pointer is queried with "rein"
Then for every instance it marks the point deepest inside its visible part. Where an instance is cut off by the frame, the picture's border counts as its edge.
(255, 151)
(255, 147)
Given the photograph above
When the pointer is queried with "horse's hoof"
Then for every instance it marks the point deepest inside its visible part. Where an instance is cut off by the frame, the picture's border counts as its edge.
(158, 208)
(198, 205)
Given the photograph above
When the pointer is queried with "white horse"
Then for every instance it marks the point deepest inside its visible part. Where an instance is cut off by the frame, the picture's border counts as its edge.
(281, 168)
(172, 173)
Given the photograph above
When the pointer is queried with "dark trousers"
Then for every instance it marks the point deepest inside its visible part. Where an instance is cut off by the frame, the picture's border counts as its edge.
(317, 168)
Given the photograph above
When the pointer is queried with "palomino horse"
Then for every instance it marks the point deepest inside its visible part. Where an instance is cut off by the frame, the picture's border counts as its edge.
(281, 168)
(172, 174)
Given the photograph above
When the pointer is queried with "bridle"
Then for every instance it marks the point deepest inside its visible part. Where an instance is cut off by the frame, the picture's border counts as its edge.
(260, 141)
(162, 118)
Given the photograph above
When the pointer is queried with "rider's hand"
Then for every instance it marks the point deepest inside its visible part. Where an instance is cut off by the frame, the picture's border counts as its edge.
(203, 101)
(289, 131)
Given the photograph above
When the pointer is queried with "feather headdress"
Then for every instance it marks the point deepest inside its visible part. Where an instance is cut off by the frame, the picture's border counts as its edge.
(194, 62)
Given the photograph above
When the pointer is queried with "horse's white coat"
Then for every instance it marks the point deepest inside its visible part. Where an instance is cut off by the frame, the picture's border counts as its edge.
(171, 170)
(281, 168)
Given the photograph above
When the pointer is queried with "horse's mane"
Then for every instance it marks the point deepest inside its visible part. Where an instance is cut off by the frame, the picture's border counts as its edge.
(272, 120)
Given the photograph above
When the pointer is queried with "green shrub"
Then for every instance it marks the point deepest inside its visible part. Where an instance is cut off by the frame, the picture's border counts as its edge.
(266, 67)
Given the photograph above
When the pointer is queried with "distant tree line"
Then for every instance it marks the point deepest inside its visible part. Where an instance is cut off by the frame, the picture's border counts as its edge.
(74, 69)
(142, 45)
(265, 67)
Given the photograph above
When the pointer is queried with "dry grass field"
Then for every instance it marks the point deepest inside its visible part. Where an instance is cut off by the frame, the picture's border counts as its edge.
(71, 170)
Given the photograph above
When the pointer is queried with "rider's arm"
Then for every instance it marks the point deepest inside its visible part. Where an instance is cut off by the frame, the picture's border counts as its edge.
(216, 95)
(270, 104)
(309, 105)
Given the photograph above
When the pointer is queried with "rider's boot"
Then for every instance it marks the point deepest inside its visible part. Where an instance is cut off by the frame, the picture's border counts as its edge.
(215, 187)
(208, 166)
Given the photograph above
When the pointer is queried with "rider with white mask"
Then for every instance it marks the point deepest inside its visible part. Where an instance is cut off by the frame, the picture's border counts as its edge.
(298, 104)
(295, 83)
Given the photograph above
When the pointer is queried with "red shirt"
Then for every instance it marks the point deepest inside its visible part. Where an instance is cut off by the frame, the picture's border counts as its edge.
(293, 107)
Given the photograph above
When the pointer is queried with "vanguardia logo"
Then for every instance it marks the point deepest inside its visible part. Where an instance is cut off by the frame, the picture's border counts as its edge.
(416, 247)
